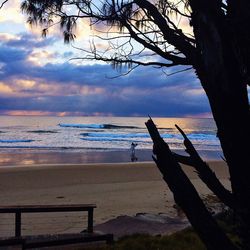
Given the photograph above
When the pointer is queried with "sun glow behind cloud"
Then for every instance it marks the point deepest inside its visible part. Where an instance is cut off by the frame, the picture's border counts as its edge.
(37, 77)
(41, 57)
(11, 12)
(5, 89)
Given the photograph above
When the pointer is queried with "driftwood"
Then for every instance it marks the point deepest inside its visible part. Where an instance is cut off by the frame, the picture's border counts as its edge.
(185, 194)
(204, 172)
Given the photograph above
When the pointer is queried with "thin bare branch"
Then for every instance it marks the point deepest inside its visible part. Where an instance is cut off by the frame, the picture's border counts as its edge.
(3, 3)
(169, 34)
(177, 72)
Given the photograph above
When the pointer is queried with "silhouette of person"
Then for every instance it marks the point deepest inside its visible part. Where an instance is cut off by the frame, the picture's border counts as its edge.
(132, 148)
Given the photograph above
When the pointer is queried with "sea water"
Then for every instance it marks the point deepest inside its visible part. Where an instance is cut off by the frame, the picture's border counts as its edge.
(81, 134)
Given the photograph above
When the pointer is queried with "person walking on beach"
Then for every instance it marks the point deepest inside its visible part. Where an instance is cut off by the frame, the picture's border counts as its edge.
(132, 148)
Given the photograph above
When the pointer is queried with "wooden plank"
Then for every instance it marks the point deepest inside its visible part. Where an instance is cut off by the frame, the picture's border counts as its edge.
(47, 208)
(55, 239)
(11, 241)
(64, 239)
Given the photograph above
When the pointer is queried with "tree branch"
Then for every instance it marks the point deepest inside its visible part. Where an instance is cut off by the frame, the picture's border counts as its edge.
(3, 3)
(168, 56)
(92, 55)
(204, 172)
(169, 34)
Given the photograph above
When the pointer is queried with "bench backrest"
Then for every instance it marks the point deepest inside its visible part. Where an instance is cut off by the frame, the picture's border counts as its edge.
(18, 210)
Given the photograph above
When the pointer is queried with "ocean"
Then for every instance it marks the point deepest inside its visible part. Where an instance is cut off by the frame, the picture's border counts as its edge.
(25, 134)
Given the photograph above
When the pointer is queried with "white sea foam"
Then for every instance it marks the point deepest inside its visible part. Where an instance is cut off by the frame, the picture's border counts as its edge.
(146, 135)
(102, 132)
(97, 126)
(116, 135)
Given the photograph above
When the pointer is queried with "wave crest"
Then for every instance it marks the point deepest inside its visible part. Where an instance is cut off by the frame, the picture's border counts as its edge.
(14, 141)
(95, 126)
(43, 131)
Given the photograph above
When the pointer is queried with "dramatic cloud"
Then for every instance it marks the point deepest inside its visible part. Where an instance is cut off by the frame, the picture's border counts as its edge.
(37, 77)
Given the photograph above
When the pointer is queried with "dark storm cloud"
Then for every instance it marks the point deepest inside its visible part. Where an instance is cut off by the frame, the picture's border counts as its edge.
(9, 55)
(98, 75)
(144, 91)
(160, 102)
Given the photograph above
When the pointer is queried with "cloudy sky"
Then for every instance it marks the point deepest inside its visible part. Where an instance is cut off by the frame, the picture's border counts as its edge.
(37, 77)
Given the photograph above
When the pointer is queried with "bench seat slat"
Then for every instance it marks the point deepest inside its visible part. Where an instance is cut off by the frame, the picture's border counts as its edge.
(46, 208)
(64, 239)
(57, 239)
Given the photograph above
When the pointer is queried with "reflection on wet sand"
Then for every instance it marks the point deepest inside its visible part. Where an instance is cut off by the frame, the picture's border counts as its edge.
(27, 157)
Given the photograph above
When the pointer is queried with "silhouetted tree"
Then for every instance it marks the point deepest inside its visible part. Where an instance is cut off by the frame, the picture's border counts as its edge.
(212, 38)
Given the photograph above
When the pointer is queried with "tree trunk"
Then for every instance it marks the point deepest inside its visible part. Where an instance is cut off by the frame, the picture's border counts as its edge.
(186, 196)
(229, 103)
(220, 71)
(231, 114)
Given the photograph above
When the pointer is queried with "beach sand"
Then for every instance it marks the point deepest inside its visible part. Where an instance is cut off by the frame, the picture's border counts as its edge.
(123, 189)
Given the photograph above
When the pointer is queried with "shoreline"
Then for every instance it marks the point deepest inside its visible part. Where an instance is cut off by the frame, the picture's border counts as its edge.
(37, 157)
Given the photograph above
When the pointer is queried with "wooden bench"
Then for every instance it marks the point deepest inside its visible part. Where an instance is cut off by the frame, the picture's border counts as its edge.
(87, 235)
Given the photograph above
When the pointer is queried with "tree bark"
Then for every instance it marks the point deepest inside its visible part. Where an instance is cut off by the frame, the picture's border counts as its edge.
(233, 131)
(186, 195)
(219, 70)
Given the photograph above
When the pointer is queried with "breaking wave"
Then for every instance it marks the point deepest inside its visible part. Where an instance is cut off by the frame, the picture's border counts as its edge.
(42, 131)
(116, 135)
(96, 126)
(14, 141)
(106, 139)
(193, 136)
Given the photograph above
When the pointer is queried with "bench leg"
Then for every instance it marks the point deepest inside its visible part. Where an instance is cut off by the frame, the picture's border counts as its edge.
(90, 221)
(18, 224)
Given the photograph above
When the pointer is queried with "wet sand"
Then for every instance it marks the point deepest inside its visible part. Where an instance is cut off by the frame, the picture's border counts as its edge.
(22, 156)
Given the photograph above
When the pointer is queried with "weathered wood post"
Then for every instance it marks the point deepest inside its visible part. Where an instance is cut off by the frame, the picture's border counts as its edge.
(18, 224)
(90, 220)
